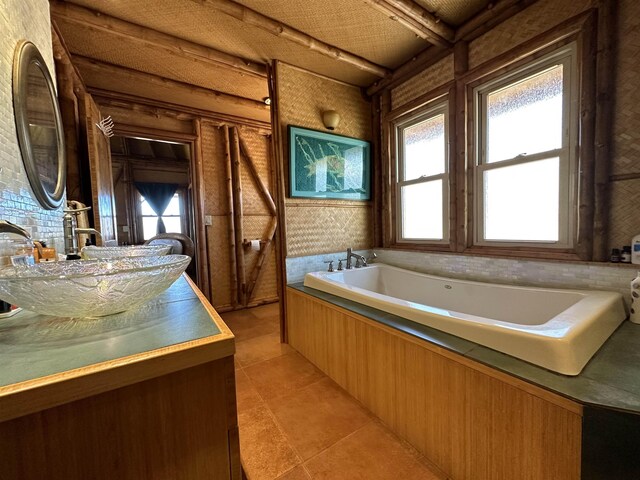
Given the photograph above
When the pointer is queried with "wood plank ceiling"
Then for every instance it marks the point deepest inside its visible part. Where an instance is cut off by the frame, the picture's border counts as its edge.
(217, 50)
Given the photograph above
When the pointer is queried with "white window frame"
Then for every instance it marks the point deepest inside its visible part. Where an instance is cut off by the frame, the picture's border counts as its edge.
(439, 107)
(140, 199)
(567, 153)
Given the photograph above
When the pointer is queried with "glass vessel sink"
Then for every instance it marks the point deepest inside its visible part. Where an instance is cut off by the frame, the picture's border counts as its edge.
(93, 252)
(89, 288)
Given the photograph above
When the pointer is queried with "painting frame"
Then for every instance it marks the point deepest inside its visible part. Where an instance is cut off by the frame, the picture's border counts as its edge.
(344, 162)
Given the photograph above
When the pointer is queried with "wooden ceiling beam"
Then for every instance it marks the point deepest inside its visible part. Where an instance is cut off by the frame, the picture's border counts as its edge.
(279, 29)
(138, 34)
(107, 69)
(148, 106)
(420, 21)
(495, 13)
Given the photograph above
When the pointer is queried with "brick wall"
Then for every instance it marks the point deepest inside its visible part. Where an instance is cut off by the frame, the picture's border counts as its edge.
(22, 19)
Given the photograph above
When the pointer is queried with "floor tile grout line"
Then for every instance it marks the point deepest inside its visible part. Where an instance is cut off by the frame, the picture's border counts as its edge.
(336, 442)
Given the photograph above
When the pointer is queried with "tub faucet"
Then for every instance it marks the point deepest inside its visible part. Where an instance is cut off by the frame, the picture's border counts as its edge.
(360, 260)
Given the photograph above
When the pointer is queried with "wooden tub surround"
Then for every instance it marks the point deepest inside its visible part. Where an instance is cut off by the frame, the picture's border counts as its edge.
(143, 394)
(470, 420)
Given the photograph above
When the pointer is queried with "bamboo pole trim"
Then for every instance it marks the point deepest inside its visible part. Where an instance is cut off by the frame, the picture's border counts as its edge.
(180, 112)
(256, 19)
(137, 75)
(237, 199)
(264, 252)
(416, 19)
(231, 214)
(85, 17)
(254, 174)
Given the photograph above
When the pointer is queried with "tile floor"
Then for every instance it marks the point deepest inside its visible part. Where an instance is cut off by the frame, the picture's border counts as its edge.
(297, 424)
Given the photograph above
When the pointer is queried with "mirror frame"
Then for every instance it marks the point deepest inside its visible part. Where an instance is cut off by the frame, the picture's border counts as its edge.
(25, 55)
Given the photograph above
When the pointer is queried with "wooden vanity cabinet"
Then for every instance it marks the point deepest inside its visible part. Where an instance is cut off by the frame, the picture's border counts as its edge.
(182, 425)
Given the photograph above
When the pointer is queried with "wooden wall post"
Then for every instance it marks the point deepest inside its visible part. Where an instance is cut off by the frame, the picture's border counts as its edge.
(605, 82)
(385, 163)
(459, 161)
(237, 211)
(230, 208)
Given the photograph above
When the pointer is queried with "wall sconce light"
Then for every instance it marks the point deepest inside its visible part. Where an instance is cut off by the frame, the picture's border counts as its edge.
(331, 119)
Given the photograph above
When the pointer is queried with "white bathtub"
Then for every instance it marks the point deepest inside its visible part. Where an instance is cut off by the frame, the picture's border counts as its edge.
(556, 329)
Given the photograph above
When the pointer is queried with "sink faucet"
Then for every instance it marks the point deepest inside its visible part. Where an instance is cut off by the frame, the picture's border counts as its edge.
(71, 232)
(8, 227)
(360, 260)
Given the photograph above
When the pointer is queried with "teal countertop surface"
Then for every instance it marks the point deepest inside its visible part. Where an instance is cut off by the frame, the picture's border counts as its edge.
(611, 379)
(34, 346)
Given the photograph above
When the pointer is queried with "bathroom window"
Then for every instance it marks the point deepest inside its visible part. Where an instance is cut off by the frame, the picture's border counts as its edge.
(422, 173)
(172, 217)
(525, 173)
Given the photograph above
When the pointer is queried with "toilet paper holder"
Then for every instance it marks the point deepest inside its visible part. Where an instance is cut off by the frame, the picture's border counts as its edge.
(251, 244)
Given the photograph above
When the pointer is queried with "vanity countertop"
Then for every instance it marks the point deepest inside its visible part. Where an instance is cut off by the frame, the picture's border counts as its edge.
(611, 379)
(47, 361)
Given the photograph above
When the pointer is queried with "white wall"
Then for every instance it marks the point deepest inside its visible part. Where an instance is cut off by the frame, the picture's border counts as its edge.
(22, 19)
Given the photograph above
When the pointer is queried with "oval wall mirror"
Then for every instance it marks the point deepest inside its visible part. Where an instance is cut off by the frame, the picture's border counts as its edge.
(39, 125)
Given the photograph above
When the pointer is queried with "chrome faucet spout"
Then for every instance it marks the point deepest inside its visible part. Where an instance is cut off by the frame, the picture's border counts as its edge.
(360, 260)
(8, 227)
(88, 231)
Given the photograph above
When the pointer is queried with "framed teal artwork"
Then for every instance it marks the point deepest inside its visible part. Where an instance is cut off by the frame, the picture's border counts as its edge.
(324, 165)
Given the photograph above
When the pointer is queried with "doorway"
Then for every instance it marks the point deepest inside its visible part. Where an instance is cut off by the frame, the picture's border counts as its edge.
(142, 165)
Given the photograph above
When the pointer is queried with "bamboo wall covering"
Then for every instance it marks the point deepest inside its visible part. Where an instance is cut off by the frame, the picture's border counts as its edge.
(317, 226)
(624, 219)
(255, 217)
(438, 74)
(472, 422)
(534, 20)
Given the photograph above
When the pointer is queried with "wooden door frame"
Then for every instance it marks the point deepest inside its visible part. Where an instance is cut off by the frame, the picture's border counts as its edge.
(195, 179)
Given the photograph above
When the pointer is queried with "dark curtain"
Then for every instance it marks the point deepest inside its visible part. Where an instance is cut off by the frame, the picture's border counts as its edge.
(158, 195)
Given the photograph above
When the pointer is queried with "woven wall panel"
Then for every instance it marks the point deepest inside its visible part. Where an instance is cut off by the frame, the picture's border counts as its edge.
(368, 33)
(255, 228)
(213, 166)
(255, 220)
(624, 222)
(317, 229)
(252, 200)
(435, 76)
(219, 261)
(532, 21)
(199, 23)
(304, 96)
(320, 226)
(109, 48)
(626, 115)
(453, 12)
(120, 82)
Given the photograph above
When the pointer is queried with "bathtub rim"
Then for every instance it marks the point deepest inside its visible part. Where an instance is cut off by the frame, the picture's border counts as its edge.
(567, 354)
(594, 386)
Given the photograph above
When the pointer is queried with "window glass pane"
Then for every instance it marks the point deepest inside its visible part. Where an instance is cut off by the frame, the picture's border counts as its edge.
(172, 224)
(422, 210)
(174, 206)
(521, 201)
(525, 117)
(149, 227)
(424, 148)
(145, 208)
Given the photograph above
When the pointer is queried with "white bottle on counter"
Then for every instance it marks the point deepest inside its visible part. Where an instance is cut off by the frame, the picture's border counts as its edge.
(635, 250)
(634, 314)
